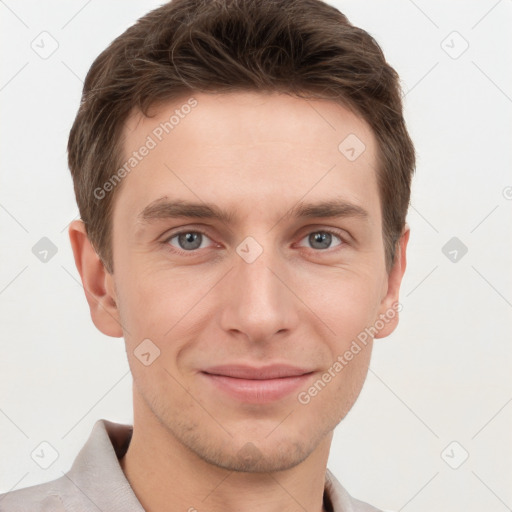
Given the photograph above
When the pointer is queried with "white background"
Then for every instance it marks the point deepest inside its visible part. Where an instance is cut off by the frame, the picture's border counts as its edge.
(443, 376)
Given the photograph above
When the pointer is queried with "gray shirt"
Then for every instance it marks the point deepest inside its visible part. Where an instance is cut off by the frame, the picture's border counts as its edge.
(96, 482)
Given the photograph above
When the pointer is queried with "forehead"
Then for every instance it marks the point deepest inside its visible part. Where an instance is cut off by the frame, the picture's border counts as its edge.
(264, 151)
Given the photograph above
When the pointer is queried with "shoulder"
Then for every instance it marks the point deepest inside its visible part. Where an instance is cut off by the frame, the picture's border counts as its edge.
(361, 506)
(55, 496)
(94, 482)
(341, 500)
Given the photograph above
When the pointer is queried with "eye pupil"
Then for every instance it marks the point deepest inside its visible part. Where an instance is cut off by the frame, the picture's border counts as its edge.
(321, 237)
(190, 238)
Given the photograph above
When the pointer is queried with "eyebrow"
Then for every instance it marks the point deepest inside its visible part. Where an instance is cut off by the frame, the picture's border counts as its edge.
(164, 208)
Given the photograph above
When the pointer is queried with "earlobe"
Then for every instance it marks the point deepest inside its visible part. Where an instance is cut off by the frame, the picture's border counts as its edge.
(97, 282)
(390, 306)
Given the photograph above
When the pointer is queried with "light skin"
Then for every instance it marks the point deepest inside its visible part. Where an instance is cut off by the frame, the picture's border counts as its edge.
(301, 302)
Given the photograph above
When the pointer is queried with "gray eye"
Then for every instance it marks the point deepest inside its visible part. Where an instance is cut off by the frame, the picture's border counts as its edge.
(322, 240)
(188, 240)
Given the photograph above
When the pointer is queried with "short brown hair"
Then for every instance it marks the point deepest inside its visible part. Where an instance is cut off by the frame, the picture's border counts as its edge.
(306, 48)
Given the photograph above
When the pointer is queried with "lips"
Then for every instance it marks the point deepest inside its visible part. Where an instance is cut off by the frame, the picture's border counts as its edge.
(257, 385)
(275, 371)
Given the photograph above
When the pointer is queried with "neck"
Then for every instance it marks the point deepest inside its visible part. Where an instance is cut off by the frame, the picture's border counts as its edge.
(166, 475)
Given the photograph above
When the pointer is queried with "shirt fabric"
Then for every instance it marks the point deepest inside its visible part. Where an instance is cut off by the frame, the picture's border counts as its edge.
(96, 482)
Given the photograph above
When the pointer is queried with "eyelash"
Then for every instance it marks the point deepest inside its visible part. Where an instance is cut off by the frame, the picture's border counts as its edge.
(182, 252)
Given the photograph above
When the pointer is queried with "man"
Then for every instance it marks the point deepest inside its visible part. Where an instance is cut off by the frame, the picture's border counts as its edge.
(242, 170)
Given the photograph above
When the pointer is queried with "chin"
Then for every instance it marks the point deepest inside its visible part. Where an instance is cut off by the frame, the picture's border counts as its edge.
(264, 450)
(252, 457)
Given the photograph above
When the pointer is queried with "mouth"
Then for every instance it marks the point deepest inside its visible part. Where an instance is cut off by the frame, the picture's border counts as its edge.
(257, 385)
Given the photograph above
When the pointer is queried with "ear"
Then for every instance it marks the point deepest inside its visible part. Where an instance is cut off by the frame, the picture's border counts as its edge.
(97, 282)
(389, 307)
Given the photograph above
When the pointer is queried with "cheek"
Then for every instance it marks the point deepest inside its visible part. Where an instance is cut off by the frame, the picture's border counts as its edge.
(347, 385)
(344, 301)
(167, 306)
(143, 305)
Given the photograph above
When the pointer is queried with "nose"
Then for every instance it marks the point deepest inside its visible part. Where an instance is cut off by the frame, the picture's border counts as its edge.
(259, 299)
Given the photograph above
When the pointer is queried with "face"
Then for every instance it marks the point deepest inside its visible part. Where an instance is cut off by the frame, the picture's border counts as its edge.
(251, 299)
